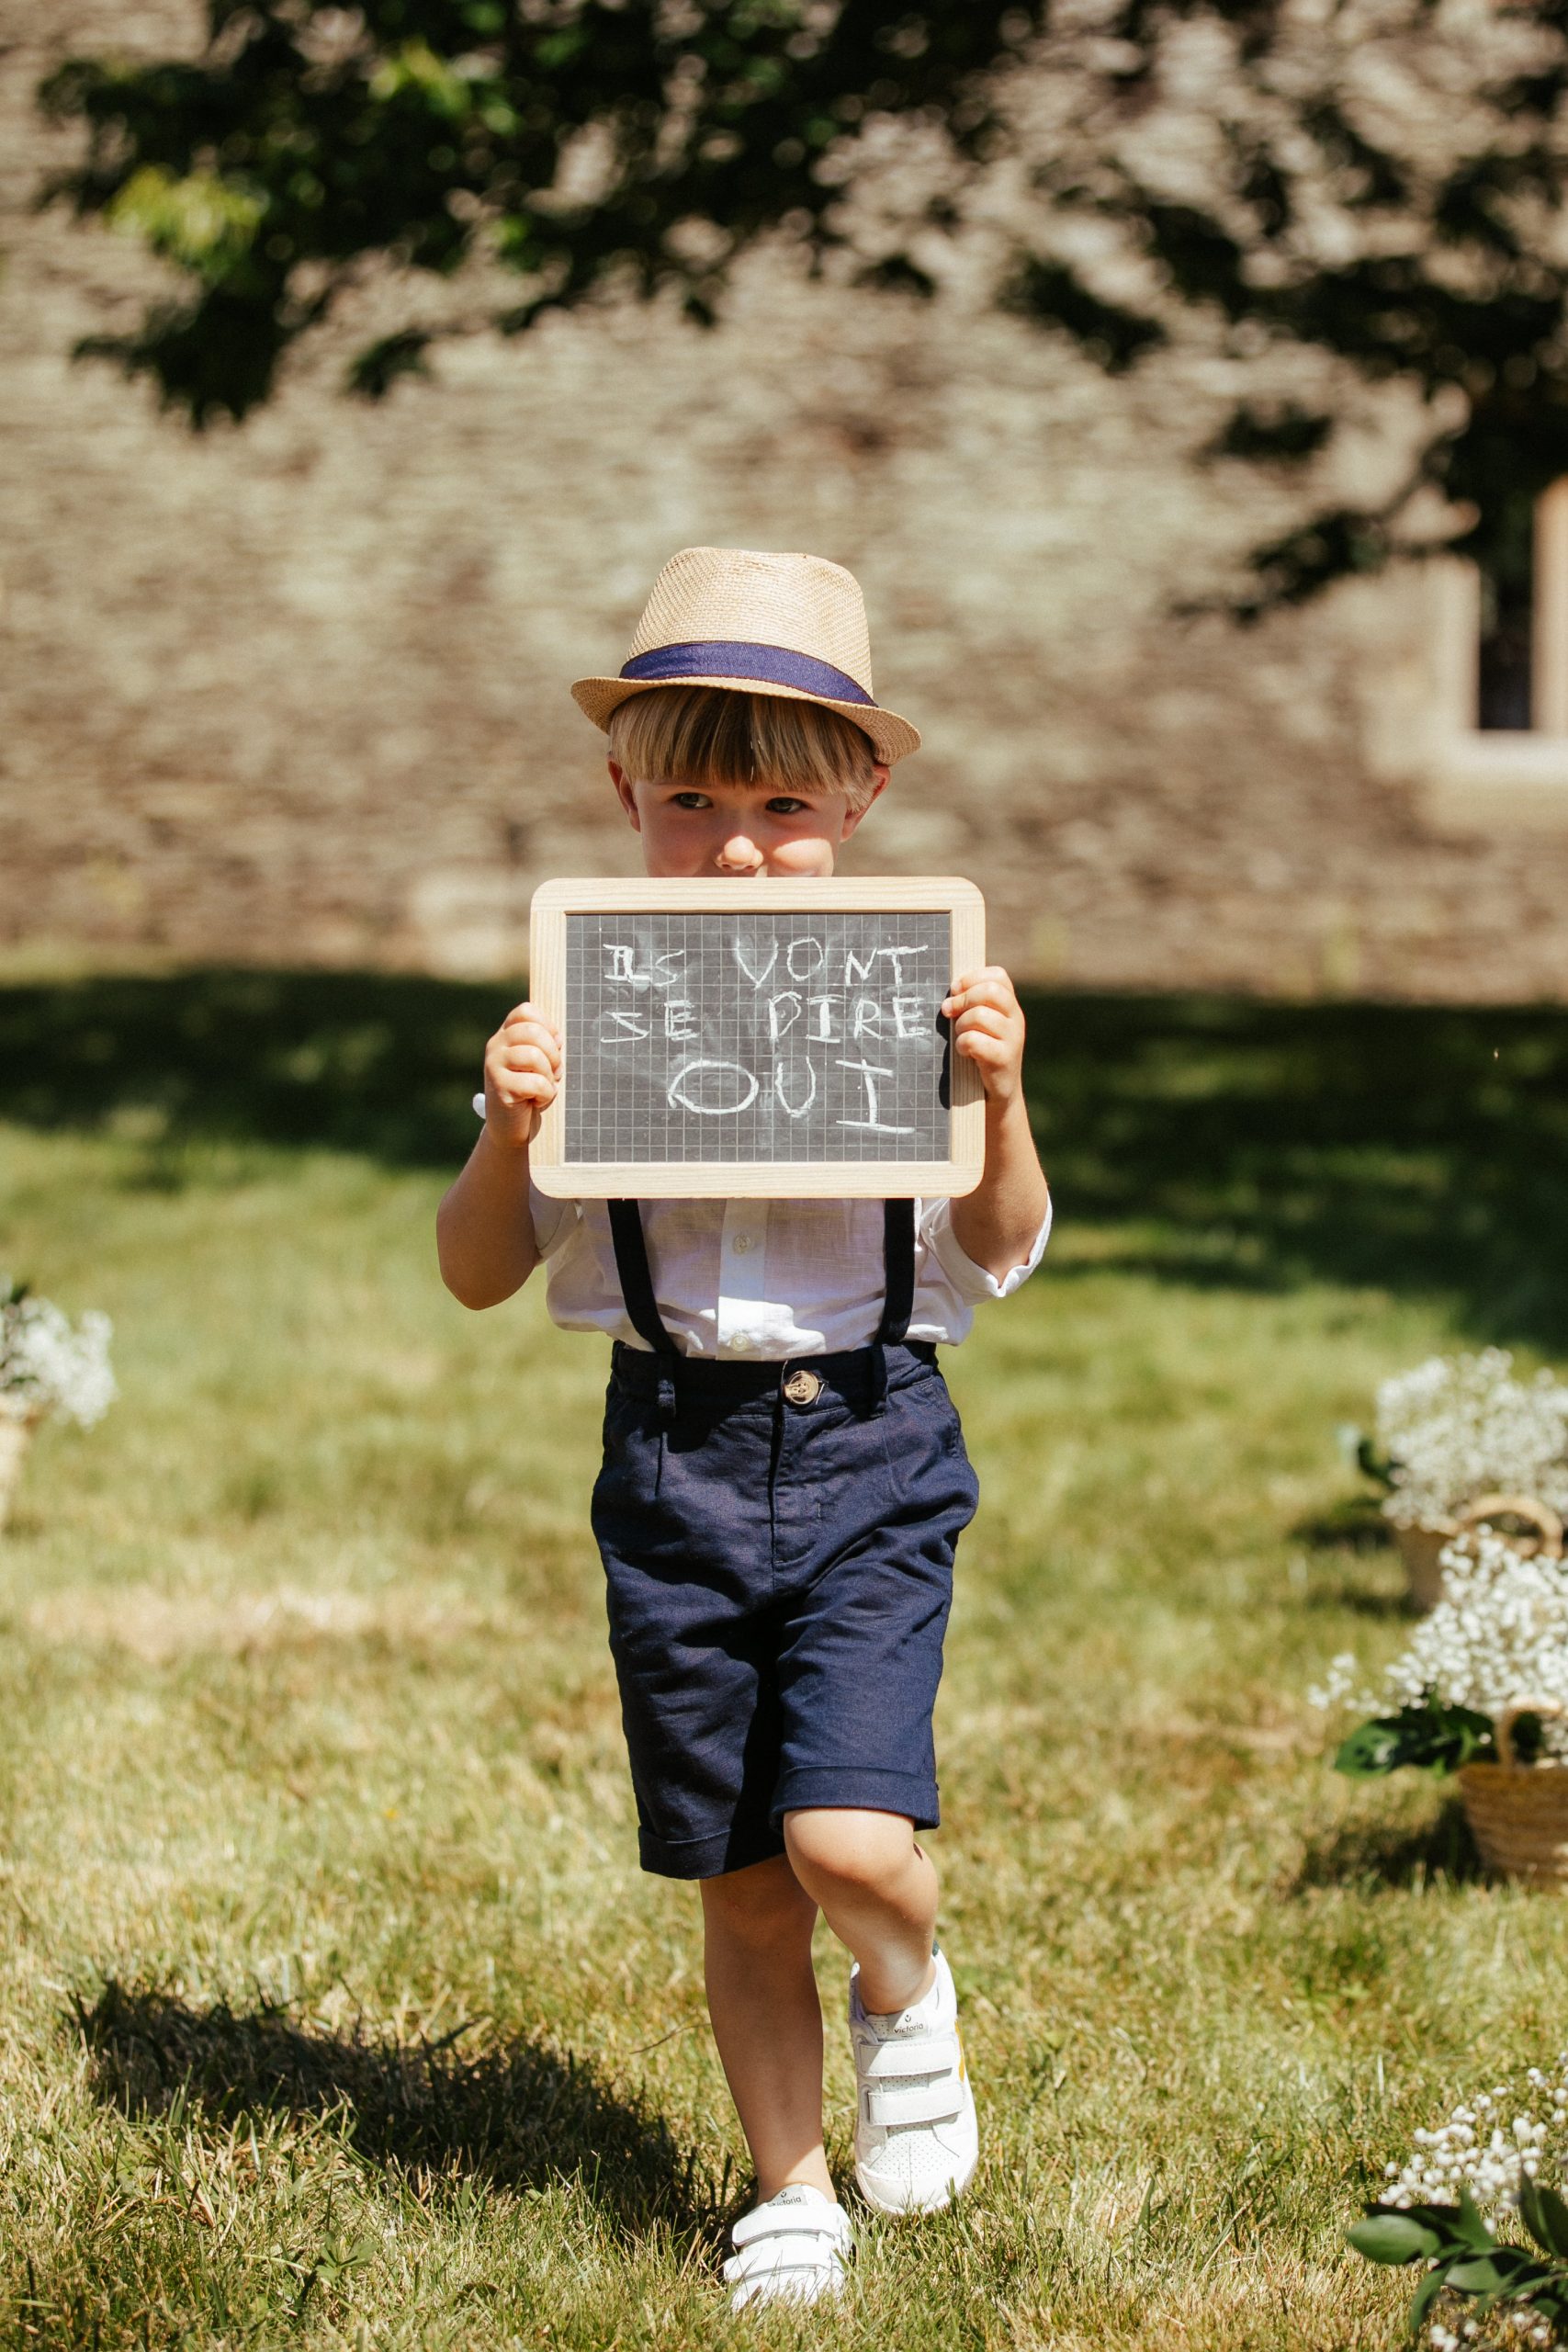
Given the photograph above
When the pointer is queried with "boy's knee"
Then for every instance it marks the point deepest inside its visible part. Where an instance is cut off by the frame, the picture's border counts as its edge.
(855, 1851)
(757, 1905)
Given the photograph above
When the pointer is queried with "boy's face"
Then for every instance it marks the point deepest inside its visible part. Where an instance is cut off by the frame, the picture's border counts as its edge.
(739, 828)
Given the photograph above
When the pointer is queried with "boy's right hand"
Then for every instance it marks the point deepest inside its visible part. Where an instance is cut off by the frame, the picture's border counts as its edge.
(522, 1073)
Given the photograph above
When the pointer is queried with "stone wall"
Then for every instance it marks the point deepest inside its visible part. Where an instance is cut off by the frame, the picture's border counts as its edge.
(297, 693)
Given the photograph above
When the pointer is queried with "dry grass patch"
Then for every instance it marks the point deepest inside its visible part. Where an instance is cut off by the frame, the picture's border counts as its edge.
(157, 1626)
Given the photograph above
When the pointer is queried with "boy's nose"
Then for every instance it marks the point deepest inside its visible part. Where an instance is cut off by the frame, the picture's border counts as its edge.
(739, 855)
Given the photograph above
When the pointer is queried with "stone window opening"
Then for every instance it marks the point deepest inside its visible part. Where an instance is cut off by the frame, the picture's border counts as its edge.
(1491, 739)
(1521, 667)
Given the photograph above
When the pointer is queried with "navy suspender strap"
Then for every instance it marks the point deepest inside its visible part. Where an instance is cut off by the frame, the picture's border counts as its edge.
(899, 1291)
(897, 1270)
(642, 1305)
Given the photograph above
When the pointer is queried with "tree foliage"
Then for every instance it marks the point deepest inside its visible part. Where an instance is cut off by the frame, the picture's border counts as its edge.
(1376, 184)
(576, 143)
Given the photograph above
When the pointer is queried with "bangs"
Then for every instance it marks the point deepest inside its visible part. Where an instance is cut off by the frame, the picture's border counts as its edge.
(701, 735)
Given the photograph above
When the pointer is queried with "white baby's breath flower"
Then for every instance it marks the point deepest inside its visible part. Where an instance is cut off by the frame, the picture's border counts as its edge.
(1341, 1686)
(1458, 1427)
(1496, 1644)
(1454, 2156)
(48, 1367)
(1498, 1639)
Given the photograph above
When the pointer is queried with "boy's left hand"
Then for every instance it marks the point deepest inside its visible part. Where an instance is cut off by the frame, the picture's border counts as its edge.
(987, 1029)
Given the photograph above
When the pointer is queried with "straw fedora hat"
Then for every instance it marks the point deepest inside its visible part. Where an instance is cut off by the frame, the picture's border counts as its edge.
(789, 625)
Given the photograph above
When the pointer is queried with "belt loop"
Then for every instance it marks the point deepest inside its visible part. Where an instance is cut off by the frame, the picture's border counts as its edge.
(878, 1379)
(666, 1396)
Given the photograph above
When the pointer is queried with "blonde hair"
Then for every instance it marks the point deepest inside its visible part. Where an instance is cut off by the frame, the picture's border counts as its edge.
(700, 735)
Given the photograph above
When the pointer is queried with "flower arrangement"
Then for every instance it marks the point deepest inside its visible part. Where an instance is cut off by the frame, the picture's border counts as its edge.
(1447, 2207)
(1457, 1427)
(1498, 1642)
(48, 1365)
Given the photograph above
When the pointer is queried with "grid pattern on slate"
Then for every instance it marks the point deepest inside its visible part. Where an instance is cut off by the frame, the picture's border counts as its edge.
(734, 1038)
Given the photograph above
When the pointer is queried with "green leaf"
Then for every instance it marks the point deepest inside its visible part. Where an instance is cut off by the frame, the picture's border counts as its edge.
(203, 221)
(1423, 1737)
(1371, 1748)
(1375, 1466)
(1545, 2216)
(1393, 2238)
(1472, 2229)
(1421, 2301)
(1480, 2277)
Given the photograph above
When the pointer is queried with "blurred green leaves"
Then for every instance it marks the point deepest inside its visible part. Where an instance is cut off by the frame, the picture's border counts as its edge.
(1342, 200)
(204, 224)
(570, 143)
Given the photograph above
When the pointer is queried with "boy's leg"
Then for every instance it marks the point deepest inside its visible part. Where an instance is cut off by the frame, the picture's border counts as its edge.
(916, 2139)
(766, 2019)
(878, 1893)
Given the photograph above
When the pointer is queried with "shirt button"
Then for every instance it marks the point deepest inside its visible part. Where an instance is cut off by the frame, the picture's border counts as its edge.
(741, 1243)
(741, 1342)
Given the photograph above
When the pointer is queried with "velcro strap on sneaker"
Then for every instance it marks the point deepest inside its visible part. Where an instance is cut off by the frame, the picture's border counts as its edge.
(789, 2221)
(766, 2258)
(925, 2054)
(916, 2103)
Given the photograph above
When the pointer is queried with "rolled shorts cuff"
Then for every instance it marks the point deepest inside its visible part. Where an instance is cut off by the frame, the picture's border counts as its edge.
(726, 1850)
(857, 1788)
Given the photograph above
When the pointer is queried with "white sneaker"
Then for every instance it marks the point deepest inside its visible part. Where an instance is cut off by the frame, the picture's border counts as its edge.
(916, 2143)
(790, 2250)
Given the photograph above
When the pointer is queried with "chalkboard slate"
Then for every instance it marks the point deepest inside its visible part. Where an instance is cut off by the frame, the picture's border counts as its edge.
(727, 1037)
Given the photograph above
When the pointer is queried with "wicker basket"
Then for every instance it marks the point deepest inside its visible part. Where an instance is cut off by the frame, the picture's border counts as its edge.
(14, 1436)
(1518, 1813)
(1421, 1547)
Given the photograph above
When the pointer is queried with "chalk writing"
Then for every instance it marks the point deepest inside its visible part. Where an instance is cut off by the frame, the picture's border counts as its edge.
(756, 1037)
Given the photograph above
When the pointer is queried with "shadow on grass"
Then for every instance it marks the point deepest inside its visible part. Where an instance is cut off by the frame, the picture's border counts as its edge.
(1226, 1142)
(1387, 1854)
(1351, 1531)
(1357, 1600)
(1353, 1524)
(520, 2115)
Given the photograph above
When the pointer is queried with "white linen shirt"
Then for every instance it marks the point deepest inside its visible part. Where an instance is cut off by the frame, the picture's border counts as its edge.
(755, 1279)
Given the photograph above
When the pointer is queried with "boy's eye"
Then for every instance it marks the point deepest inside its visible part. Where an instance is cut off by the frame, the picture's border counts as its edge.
(785, 807)
(691, 801)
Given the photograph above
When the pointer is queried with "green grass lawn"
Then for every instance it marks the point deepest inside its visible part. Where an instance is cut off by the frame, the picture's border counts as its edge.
(334, 2009)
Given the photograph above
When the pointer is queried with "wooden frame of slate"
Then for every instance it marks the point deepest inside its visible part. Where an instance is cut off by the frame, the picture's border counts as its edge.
(774, 1037)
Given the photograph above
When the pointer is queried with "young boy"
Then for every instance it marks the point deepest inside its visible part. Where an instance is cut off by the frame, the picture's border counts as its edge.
(779, 1557)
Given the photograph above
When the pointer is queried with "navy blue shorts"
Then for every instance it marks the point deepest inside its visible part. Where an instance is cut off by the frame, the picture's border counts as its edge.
(779, 1572)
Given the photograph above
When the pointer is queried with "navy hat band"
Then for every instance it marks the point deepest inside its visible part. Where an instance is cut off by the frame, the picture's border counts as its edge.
(765, 665)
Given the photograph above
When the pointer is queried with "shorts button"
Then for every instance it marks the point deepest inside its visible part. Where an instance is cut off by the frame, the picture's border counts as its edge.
(802, 1388)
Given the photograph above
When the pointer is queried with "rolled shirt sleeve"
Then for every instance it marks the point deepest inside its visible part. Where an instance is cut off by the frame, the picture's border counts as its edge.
(973, 1283)
(553, 1220)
